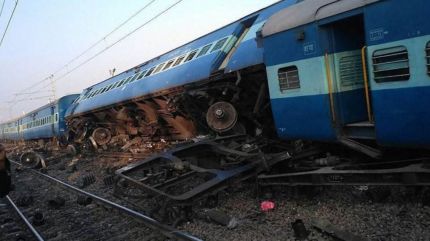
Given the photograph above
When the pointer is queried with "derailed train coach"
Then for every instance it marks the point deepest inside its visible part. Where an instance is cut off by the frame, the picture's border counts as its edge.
(216, 83)
(44, 123)
(337, 71)
(346, 71)
(351, 71)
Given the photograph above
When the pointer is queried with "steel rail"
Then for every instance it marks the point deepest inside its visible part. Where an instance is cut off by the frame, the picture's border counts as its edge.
(152, 223)
(23, 218)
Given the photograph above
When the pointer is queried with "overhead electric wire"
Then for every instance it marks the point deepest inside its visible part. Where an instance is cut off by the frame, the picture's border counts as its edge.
(33, 98)
(2, 6)
(90, 47)
(8, 22)
(118, 41)
(104, 38)
(33, 92)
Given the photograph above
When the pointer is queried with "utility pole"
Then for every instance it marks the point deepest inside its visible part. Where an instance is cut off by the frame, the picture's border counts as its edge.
(53, 87)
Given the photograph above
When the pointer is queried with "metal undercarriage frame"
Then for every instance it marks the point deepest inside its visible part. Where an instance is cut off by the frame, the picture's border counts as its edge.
(414, 172)
(197, 170)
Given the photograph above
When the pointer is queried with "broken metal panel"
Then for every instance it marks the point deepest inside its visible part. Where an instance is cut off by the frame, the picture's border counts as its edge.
(150, 110)
(183, 128)
(194, 171)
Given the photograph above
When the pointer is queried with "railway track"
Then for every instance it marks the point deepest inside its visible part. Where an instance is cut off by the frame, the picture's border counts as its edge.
(14, 225)
(61, 211)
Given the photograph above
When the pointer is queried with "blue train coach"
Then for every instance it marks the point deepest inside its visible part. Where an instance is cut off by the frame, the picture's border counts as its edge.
(351, 70)
(45, 122)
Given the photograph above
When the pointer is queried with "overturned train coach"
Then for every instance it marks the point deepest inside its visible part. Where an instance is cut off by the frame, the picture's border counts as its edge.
(347, 71)
(45, 123)
(336, 71)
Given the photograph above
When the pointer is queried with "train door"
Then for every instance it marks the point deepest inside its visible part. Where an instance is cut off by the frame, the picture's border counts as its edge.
(343, 41)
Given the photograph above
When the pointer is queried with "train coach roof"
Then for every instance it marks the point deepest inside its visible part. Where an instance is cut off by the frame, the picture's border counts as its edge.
(309, 11)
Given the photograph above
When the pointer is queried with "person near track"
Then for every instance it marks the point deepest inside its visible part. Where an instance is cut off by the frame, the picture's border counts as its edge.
(5, 178)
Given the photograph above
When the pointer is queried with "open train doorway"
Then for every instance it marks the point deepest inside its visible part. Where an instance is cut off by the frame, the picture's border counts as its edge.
(344, 41)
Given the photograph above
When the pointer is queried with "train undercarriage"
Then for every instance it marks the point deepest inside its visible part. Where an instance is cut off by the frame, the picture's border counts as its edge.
(235, 103)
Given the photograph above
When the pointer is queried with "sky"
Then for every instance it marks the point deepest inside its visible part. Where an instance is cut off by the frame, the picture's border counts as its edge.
(45, 35)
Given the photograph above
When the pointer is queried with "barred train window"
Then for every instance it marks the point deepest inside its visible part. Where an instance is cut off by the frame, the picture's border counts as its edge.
(190, 56)
(178, 60)
(168, 64)
(428, 57)
(149, 71)
(141, 75)
(288, 78)
(159, 67)
(391, 64)
(219, 44)
(350, 70)
(204, 50)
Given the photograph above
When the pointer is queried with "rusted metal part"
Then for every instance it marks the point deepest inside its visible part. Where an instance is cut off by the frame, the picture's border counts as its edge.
(101, 136)
(120, 140)
(150, 112)
(78, 129)
(71, 149)
(32, 159)
(122, 114)
(221, 116)
(134, 141)
(194, 171)
(339, 234)
(415, 172)
(180, 127)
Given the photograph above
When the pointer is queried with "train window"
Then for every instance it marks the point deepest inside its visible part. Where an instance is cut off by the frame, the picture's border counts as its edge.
(159, 67)
(204, 50)
(391, 64)
(141, 75)
(104, 90)
(288, 78)
(94, 93)
(219, 44)
(109, 87)
(191, 56)
(351, 70)
(428, 57)
(121, 83)
(116, 84)
(179, 60)
(90, 95)
(149, 71)
(169, 64)
(127, 80)
(56, 117)
(134, 77)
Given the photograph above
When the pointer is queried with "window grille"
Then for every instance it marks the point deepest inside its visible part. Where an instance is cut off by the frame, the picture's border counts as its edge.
(391, 64)
(204, 50)
(219, 44)
(288, 78)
